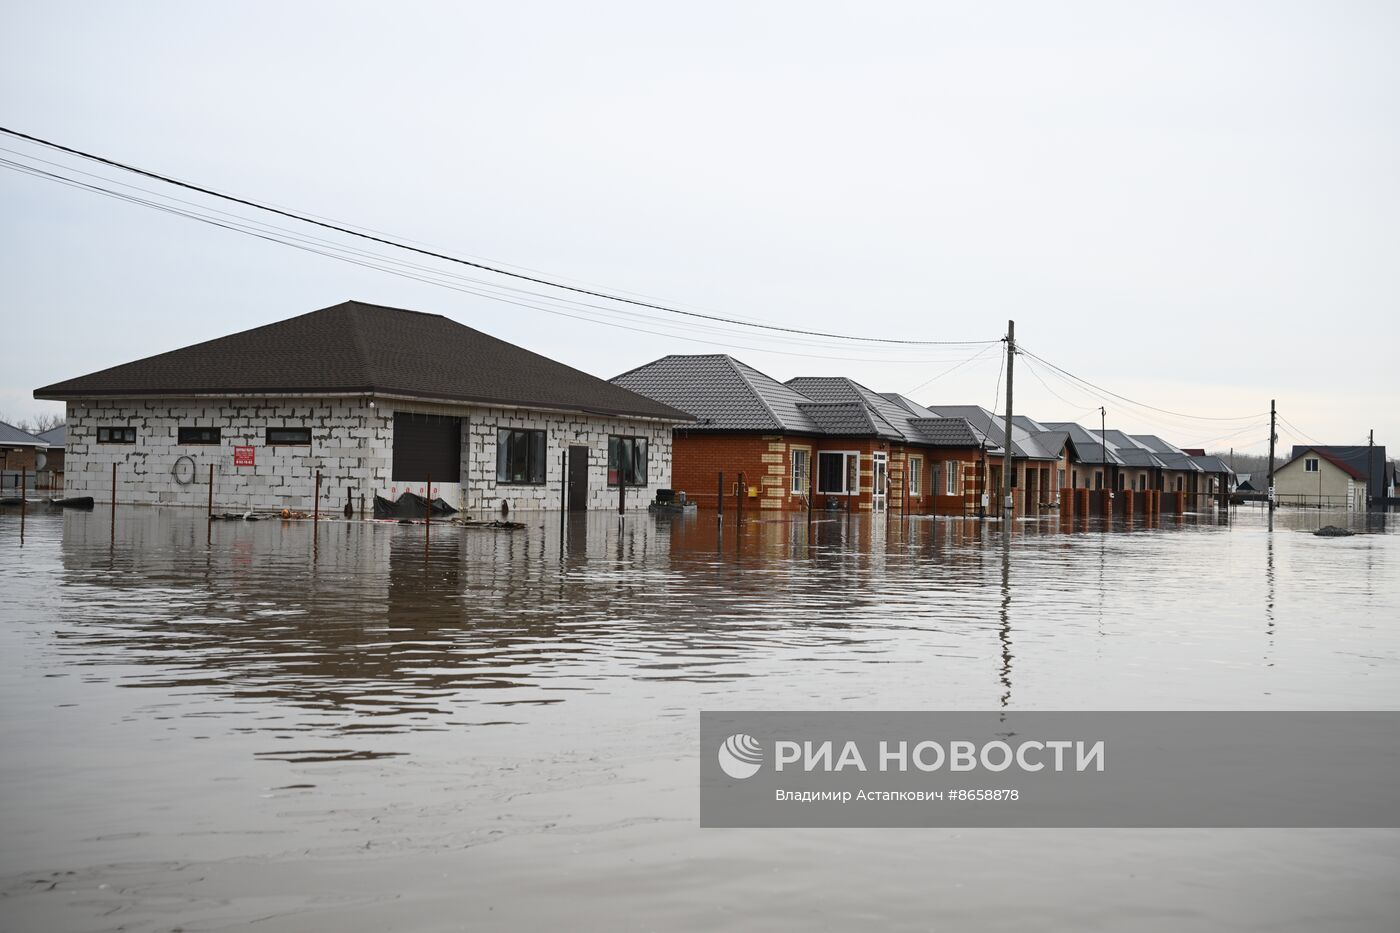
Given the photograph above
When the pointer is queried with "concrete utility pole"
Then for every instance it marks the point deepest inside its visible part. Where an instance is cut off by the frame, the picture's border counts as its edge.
(1103, 456)
(1370, 462)
(1009, 464)
(1273, 437)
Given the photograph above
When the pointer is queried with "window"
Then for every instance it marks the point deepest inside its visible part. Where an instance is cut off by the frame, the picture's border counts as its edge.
(190, 435)
(1098, 479)
(838, 473)
(627, 461)
(285, 437)
(916, 476)
(520, 457)
(1062, 480)
(1310, 465)
(118, 434)
(426, 446)
(1121, 477)
(950, 473)
(801, 469)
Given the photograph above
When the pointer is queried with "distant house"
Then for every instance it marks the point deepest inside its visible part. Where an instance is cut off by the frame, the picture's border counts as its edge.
(1179, 471)
(51, 473)
(21, 455)
(1318, 478)
(1368, 460)
(376, 401)
(827, 442)
(1095, 463)
(1040, 455)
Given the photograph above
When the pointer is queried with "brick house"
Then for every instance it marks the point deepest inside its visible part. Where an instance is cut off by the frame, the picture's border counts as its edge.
(22, 455)
(375, 399)
(1040, 456)
(829, 441)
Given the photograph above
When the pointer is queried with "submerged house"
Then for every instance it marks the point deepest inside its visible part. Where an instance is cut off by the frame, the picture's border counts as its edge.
(830, 442)
(376, 401)
(1040, 456)
(22, 455)
(1318, 477)
(51, 473)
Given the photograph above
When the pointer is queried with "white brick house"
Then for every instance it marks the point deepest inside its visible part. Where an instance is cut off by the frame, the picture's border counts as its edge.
(376, 400)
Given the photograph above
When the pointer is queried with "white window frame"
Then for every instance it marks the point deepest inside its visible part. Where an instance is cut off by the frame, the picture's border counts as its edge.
(916, 475)
(1312, 464)
(950, 477)
(800, 487)
(847, 456)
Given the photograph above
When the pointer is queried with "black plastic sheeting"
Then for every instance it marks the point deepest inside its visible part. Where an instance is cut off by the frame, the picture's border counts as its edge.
(410, 505)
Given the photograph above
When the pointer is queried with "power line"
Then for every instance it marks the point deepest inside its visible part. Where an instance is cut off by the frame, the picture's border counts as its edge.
(498, 270)
(1300, 433)
(978, 355)
(1123, 398)
(406, 264)
(430, 277)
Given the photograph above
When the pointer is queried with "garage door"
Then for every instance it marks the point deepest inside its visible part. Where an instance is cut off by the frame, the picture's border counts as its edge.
(427, 445)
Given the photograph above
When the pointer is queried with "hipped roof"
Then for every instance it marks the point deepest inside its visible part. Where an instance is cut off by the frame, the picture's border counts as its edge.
(359, 348)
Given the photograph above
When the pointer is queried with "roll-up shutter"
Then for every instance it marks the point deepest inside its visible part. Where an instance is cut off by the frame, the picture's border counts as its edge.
(427, 445)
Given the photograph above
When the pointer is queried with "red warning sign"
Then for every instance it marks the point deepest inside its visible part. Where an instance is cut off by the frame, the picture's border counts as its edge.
(243, 456)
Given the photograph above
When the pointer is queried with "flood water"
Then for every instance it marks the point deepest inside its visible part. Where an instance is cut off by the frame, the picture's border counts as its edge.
(496, 731)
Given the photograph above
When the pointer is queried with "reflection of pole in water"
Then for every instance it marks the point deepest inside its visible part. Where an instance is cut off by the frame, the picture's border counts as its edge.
(1004, 632)
(1269, 581)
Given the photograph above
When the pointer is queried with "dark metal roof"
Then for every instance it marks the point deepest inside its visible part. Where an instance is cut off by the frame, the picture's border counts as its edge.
(722, 394)
(849, 419)
(890, 419)
(1025, 444)
(909, 405)
(1328, 454)
(362, 348)
(11, 436)
(1355, 457)
(951, 432)
(1212, 464)
(1087, 448)
(54, 437)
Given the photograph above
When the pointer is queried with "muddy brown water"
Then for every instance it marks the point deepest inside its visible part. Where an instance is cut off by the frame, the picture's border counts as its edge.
(353, 734)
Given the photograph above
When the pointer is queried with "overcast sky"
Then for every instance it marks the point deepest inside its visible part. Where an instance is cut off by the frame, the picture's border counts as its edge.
(1192, 205)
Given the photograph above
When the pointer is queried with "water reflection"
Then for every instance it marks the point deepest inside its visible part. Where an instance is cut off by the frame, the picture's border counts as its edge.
(368, 629)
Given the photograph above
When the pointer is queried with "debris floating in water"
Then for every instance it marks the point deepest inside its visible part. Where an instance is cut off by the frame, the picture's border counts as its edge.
(1332, 531)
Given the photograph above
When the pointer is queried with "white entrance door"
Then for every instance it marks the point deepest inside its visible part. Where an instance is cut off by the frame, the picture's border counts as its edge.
(878, 477)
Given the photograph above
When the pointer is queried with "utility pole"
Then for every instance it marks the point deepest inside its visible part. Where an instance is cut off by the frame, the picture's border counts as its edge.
(1103, 461)
(1370, 462)
(1273, 437)
(1009, 463)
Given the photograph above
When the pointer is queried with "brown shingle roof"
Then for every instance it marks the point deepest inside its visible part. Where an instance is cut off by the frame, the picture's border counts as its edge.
(362, 348)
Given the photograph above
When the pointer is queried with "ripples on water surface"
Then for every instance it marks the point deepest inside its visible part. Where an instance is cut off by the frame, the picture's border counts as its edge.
(500, 732)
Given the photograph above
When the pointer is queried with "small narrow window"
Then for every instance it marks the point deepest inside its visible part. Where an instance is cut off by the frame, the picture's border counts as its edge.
(916, 476)
(801, 469)
(193, 435)
(288, 437)
(116, 434)
(520, 457)
(950, 468)
(627, 461)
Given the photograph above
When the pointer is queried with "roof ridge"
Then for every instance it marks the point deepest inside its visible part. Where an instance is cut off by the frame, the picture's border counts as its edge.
(753, 390)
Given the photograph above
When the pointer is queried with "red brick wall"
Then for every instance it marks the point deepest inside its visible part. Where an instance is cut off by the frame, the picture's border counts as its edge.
(765, 461)
(18, 458)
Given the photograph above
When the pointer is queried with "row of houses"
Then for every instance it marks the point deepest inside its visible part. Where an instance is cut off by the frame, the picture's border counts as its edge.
(833, 443)
(360, 400)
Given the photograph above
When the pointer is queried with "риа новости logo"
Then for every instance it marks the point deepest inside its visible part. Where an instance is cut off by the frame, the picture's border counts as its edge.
(741, 756)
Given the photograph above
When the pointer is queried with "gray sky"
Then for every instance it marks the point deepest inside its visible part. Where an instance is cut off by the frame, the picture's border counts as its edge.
(1191, 205)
